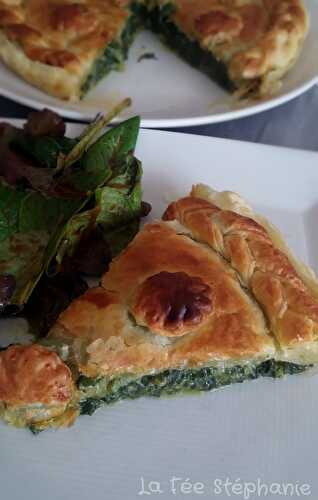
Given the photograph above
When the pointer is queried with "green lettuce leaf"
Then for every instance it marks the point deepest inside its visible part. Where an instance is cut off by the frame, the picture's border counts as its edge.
(89, 134)
(73, 231)
(10, 203)
(102, 160)
(116, 205)
(39, 212)
(45, 150)
(21, 256)
(120, 199)
(119, 237)
(27, 222)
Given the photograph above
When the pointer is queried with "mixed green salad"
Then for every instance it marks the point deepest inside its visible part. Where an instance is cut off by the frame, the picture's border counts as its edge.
(67, 207)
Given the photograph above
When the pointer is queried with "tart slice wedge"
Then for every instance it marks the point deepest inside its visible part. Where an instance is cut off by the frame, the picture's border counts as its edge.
(206, 297)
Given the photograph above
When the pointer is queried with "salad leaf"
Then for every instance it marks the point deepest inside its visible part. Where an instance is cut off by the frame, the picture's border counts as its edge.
(43, 138)
(7, 134)
(17, 170)
(115, 204)
(50, 298)
(52, 262)
(48, 263)
(92, 255)
(90, 134)
(21, 257)
(7, 287)
(21, 155)
(10, 203)
(45, 150)
(119, 237)
(120, 200)
(39, 212)
(27, 220)
(73, 232)
(44, 123)
(101, 161)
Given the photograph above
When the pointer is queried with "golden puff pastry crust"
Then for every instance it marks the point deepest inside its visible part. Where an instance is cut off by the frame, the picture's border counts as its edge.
(53, 44)
(36, 388)
(258, 40)
(33, 374)
(166, 302)
(290, 304)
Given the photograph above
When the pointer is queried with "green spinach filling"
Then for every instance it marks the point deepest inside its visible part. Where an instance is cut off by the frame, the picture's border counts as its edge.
(101, 390)
(114, 55)
(158, 20)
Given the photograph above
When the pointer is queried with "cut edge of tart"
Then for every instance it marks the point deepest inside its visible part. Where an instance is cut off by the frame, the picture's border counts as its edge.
(145, 326)
(246, 47)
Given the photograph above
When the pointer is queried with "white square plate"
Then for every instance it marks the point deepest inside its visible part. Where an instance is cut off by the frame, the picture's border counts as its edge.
(257, 431)
(168, 92)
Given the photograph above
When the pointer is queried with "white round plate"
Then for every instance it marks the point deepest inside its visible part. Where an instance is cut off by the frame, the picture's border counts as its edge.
(257, 433)
(166, 91)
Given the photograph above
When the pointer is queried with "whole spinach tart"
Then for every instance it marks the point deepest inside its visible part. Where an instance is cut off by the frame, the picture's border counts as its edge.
(65, 47)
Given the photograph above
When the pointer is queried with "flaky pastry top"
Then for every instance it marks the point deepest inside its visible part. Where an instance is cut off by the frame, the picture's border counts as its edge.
(257, 39)
(167, 301)
(33, 374)
(62, 33)
(290, 306)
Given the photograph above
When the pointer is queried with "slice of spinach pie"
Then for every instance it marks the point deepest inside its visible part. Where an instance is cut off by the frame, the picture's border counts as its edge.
(64, 47)
(206, 297)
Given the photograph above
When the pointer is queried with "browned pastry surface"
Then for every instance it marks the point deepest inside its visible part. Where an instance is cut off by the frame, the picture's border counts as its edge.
(47, 29)
(257, 39)
(53, 43)
(172, 303)
(33, 374)
(290, 307)
(166, 301)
